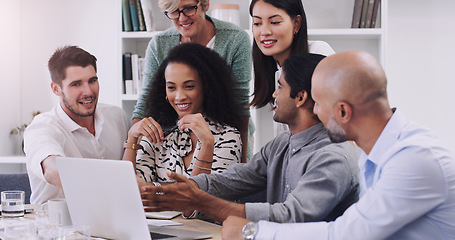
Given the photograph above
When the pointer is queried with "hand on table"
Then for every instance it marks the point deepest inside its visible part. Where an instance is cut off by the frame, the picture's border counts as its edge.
(232, 227)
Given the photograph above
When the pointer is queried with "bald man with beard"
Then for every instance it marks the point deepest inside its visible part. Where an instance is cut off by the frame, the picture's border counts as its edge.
(407, 175)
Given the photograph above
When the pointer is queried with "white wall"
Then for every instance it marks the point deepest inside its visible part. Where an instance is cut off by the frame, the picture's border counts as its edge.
(10, 74)
(420, 62)
(48, 24)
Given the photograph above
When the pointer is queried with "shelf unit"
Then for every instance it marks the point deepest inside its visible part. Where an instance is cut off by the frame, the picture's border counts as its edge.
(328, 20)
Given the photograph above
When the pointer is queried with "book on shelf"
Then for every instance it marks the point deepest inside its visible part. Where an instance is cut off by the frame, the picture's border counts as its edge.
(365, 13)
(147, 11)
(126, 16)
(127, 73)
(369, 14)
(140, 16)
(133, 68)
(363, 18)
(375, 13)
(134, 16)
(357, 14)
(135, 72)
(129, 88)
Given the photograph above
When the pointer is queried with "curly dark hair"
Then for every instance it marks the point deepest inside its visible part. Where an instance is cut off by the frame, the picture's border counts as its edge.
(217, 82)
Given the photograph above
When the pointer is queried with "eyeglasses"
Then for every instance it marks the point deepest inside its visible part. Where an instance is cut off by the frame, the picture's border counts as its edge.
(188, 11)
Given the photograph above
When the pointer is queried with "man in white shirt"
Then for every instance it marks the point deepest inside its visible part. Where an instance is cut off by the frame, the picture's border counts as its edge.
(76, 127)
(407, 174)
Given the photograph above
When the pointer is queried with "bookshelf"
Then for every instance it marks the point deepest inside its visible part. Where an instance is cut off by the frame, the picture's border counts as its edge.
(336, 30)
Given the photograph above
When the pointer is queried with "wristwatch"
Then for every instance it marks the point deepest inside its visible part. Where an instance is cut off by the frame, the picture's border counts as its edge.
(249, 230)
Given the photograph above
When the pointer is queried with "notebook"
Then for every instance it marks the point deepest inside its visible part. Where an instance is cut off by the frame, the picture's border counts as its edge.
(104, 195)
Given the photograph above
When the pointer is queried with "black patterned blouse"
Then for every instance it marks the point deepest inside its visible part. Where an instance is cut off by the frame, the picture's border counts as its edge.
(153, 161)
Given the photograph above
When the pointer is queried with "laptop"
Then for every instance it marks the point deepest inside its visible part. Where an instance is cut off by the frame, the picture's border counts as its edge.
(104, 195)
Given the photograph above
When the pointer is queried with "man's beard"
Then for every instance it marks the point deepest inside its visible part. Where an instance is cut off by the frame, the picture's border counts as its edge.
(79, 114)
(336, 132)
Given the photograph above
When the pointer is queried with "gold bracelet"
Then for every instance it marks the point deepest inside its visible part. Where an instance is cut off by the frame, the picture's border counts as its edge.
(203, 168)
(133, 146)
(200, 160)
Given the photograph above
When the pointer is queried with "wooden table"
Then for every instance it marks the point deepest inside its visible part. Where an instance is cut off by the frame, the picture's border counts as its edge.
(188, 224)
(198, 225)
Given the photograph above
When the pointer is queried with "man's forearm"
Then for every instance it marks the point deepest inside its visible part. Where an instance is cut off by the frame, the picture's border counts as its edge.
(217, 208)
(50, 171)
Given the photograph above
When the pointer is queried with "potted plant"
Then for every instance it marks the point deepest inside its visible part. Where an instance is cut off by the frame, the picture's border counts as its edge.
(19, 130)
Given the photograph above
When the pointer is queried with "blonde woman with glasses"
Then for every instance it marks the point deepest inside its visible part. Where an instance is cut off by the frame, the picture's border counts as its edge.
(192, 24)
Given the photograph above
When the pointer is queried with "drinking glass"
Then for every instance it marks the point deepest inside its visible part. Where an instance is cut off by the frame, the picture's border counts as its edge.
(12, 204)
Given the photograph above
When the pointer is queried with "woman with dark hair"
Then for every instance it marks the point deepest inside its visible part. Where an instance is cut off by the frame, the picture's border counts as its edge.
(279, 31)
(191, 97)
(192, 24)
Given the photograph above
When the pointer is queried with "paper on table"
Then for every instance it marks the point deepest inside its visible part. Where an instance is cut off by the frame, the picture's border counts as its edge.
(162, 222)
(163, 214)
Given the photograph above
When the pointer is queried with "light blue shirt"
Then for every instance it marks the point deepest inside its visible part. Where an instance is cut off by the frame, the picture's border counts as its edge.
(412, 195)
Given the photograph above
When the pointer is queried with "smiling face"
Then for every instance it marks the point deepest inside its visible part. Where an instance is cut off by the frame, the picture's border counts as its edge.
(183, 89)
(190, 27)
(273, 30)
(78, 92)
(284, 109)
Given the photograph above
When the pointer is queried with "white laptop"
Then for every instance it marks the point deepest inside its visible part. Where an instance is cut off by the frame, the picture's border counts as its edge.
(104, 195)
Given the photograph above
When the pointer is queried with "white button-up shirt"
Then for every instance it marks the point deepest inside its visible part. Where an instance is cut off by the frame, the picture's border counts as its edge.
(55, 133)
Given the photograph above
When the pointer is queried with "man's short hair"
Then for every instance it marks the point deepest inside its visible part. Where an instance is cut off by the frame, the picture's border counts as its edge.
(298, 70)
(68, 56)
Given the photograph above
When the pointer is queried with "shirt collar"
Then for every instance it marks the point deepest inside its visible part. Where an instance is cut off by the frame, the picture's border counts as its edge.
(306, 136)
(388, 137)
(72, 126)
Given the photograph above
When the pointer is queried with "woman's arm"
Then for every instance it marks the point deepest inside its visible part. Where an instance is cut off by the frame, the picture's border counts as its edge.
(199, 126)
(147, 127)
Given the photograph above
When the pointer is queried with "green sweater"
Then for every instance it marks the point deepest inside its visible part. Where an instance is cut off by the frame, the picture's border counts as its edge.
(231, 42)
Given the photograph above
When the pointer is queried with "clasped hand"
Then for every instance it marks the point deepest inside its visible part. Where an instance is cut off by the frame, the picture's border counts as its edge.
(151, 129)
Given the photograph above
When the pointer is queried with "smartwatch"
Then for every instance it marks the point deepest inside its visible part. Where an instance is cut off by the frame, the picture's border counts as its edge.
(249, 230)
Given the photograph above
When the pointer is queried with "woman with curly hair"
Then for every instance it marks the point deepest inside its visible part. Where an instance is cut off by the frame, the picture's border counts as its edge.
(191, 23)
(192, 99)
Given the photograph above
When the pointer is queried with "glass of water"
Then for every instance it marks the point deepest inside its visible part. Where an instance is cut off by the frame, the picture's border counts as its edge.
(12, 204)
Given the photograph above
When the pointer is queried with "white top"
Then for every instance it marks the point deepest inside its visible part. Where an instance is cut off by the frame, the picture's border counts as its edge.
(54, 133)
(317, 47)
(211, 43)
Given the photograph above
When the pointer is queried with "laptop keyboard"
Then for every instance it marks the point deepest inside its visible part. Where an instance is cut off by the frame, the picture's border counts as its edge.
(155, 235)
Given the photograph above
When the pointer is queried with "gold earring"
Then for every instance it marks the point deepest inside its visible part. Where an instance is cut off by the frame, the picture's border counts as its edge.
(167, 100)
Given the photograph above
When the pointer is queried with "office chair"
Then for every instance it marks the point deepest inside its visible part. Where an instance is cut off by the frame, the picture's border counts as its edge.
(16, 181)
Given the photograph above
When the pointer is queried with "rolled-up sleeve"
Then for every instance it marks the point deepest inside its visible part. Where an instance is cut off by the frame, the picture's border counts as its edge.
(318, 191)
(239, 180)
